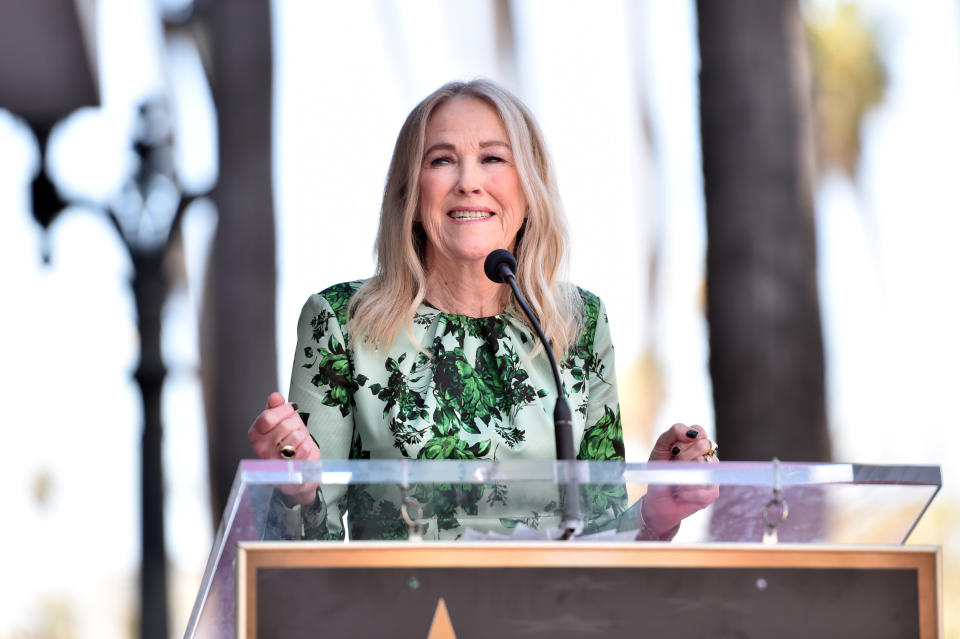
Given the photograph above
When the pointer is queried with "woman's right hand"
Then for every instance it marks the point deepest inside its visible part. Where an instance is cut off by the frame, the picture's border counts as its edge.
(280, 425)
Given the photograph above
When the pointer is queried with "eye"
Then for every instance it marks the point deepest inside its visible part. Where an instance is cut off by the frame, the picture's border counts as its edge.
(490, 159)
(441, 160)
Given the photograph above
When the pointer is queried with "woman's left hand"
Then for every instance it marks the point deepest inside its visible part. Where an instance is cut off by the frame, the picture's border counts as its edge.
(664, 507)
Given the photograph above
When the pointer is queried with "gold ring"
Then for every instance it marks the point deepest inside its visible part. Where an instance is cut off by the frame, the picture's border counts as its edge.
(288, 451)
(713, 449)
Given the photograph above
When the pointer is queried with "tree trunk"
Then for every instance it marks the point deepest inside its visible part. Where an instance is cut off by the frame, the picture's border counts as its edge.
(766, 351)
(238, 328)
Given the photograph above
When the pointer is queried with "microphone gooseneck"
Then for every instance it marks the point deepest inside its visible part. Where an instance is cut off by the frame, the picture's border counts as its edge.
(500, 267)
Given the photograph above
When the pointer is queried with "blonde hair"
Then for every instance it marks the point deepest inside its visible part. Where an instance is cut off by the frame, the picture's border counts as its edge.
(389, 300)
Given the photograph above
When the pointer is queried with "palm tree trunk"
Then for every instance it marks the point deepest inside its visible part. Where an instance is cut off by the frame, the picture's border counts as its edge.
(238, 328)
(766, 351)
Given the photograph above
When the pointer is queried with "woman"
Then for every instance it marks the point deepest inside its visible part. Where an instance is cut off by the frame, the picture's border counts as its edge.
(429, 359)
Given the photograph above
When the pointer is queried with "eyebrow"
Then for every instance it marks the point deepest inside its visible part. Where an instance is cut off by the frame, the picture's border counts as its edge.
(446, 146)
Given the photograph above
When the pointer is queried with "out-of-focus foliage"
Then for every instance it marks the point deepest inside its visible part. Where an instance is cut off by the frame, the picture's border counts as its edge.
(42, 487)
(54, 618)
(849, 79)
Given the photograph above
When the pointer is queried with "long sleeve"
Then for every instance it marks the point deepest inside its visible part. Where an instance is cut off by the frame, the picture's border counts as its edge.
(606, 504)
(603, 432)
(322, 381)
(323, 385)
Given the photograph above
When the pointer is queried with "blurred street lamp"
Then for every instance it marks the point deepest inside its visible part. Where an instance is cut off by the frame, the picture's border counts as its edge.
(46, 74)
(146, 214)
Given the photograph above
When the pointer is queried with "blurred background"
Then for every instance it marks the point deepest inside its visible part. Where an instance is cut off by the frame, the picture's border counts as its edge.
(764, 193)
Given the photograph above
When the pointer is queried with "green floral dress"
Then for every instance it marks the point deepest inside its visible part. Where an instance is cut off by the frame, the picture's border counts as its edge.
(464, 388)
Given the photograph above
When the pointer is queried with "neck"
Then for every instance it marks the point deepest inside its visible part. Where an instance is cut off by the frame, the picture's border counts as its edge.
(463, 289)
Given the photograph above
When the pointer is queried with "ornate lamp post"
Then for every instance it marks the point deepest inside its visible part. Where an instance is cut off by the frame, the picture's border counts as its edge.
(44, 76)
(146, 215)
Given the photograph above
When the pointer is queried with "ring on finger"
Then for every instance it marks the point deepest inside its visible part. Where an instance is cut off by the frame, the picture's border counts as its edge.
(713, 449)
(288, 451)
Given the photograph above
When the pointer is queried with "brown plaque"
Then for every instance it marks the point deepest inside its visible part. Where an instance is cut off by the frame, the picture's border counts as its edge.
(299, 590)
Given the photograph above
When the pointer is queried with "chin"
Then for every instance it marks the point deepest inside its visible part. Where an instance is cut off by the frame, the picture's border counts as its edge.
(474, 253)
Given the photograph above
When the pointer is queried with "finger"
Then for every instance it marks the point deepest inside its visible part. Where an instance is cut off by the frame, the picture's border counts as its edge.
(270, 416)
(678, 433)
(666, 444)
(675, 440)
(274, 416)
(693, 491)
(710, 457)
(267, 445)
(665, 441)
(288, 420)
(263, 445)
(294, 436)
(698, 495)
(263, 433)
(302, 494)
(681, 434)
(262, 425)
(694, 451)
(702, 446)
(694, 432)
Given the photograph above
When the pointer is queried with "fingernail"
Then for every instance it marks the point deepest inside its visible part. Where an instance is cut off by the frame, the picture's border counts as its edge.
(294, 404)
(675, 451)
(692, 434)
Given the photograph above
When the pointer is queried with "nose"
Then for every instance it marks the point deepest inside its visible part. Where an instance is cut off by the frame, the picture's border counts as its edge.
(469, 180)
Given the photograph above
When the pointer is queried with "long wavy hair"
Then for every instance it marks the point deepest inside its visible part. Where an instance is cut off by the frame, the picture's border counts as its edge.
(387, 302)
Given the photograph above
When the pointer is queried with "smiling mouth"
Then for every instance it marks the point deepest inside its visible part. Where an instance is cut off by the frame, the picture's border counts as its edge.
(462, 215)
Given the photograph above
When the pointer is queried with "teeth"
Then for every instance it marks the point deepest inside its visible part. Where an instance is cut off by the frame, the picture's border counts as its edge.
(469, 215)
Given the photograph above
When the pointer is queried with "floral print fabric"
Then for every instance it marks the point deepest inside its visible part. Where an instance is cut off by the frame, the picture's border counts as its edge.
(455, 387)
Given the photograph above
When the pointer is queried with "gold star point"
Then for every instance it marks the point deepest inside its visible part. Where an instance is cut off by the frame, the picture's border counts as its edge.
(441, 627)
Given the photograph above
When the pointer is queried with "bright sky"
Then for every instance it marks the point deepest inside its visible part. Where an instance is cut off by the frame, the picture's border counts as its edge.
(888, 257)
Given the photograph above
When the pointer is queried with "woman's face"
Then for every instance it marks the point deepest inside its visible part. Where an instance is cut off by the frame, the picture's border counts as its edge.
(471, 200)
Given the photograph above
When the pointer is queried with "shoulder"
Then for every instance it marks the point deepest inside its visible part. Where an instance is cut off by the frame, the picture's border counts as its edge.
(338, 297)
(594, 315)
(592, 304)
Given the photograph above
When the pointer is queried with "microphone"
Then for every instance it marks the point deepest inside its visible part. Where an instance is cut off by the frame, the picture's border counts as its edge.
(500, 267)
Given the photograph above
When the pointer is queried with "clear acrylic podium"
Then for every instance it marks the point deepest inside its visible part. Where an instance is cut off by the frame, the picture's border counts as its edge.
(415, 523)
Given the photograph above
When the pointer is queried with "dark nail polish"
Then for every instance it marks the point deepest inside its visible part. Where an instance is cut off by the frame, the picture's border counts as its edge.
(295, 407)
(675, 451)
(692, 434)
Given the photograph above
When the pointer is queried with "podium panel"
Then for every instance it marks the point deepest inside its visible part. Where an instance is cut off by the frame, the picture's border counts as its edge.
(456, 509)
(584, 590)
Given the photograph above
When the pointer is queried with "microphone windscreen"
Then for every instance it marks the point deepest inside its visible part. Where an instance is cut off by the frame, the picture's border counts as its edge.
(498, 258)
